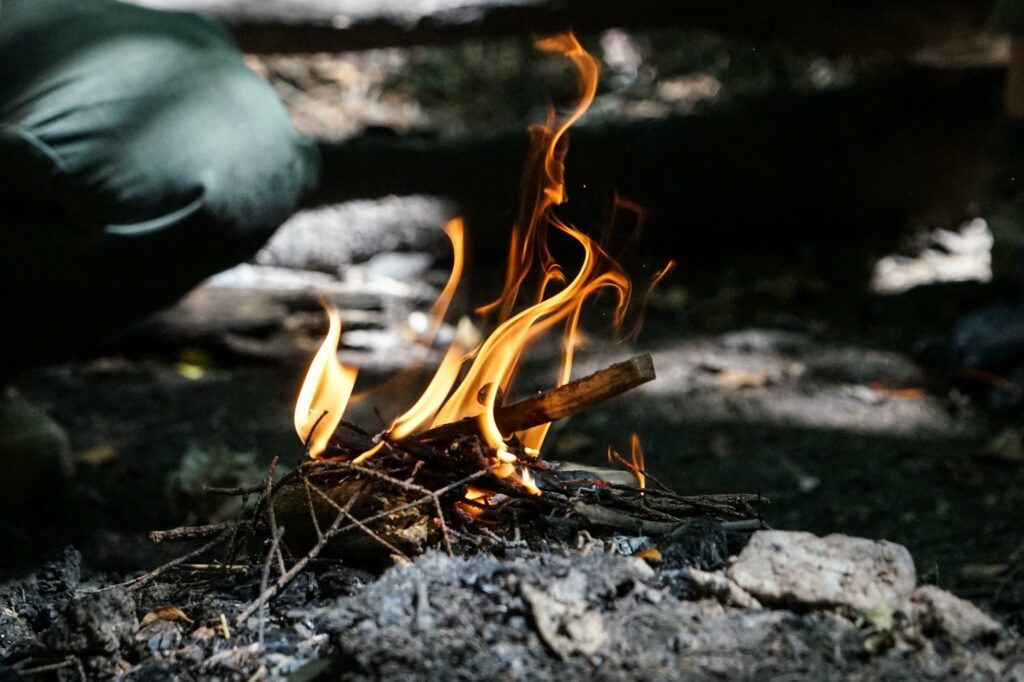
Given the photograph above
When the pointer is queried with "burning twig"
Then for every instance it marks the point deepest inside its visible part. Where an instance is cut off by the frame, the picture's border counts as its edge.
(558, 403)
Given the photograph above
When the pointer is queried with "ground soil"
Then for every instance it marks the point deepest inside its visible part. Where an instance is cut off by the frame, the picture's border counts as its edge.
(779, 373)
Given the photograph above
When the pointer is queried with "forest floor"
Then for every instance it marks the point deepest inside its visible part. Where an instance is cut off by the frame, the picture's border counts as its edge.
(779, 373)
(789, 380)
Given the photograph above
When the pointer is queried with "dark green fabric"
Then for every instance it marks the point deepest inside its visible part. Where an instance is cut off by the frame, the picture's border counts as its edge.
(138, 155)
(1009, 16)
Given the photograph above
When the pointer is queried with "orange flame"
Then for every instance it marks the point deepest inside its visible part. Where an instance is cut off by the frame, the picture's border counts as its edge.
(494, 367)
(559, 301)
(637, 458)
(636, 462)
(456, 234)
(325, 391)
(480, 498)
(544, 177)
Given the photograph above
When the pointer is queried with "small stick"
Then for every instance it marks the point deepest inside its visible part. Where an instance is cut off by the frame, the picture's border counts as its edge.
(137, 583)
(312, 510)
(268, 493)
(407, 485)
(232, 491)
(604, 516)
(359, 524)
(559, 403)
(190, 532)
(265, 577)
(267, 593)
(69, 661)
(336, 528)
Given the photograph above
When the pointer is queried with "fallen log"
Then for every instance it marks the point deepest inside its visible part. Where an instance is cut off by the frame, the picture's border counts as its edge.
(954, 30)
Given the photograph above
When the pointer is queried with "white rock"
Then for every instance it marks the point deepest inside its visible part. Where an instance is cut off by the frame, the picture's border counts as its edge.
(785, 568)
(938, 611)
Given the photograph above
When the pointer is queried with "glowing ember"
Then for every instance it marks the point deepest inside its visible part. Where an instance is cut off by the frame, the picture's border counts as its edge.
(475, 501)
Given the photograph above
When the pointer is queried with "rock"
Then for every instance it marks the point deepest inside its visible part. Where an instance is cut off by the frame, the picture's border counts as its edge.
(939, 612)
(720, 587)
(401, 267)
(785, 568)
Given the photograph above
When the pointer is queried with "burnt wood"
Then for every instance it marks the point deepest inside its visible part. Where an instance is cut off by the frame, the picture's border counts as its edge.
(559, 403)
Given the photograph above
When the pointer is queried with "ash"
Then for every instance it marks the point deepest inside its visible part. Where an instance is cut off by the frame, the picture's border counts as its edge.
(582, 610)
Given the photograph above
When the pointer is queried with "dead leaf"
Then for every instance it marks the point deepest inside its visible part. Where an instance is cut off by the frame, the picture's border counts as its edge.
(97, 456)
(740, 378)
(171, 613)
(650, 554)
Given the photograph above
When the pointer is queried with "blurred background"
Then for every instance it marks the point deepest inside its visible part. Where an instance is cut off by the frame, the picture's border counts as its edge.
(843, 333)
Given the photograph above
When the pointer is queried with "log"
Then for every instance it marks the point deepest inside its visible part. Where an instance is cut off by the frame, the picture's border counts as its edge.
(559, 403)
(772, 171)
(957, 30)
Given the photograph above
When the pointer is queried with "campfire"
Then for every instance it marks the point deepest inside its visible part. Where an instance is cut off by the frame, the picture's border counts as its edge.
(460, 419)
(463, 466)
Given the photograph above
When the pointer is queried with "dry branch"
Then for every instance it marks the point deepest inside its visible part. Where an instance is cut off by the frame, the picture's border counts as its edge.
(559, 403)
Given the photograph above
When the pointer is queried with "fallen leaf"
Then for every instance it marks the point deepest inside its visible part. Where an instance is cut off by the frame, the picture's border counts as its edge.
(649, 554)
(171, 613)
(97, 456)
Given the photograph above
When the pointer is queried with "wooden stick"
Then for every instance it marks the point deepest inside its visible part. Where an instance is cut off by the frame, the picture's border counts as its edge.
(190, 532)
(336, 528)
(559, 403)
